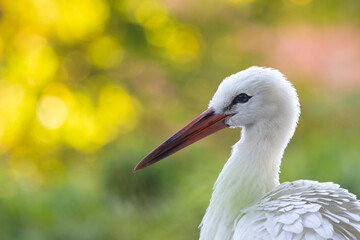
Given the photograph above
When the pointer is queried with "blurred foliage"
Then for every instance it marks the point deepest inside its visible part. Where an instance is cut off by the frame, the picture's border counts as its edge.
(89, 87)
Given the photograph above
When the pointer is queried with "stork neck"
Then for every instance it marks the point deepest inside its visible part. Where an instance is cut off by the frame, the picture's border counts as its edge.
(255, 161)
(251, 171)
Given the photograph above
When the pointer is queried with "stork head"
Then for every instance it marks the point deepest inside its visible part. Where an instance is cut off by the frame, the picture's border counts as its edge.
(253, 97)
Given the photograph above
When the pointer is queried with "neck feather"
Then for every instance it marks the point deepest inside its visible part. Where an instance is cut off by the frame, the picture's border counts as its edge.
(251, 171)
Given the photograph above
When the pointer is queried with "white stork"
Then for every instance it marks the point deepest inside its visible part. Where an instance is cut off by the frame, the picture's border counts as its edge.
(248, 201)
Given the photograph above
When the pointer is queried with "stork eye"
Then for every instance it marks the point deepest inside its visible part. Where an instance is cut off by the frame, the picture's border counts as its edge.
(241, 98)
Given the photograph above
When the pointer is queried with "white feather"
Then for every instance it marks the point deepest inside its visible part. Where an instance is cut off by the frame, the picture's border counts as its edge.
(248, 201)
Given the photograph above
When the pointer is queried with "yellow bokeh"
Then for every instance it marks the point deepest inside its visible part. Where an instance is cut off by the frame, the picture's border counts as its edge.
(80, 18)
(180, 43)
(52, 112)
(11, 96)
(2, 133)
(88, 127)
(151, 14)
(71, 21)
(184, 46)
(48, 12)
(59, 90)
(89, 87)
(161, 37)
(79, 130)
(1, 48)
(116, 111)
(239, 2)
(81, 122)
(36, 59)
(301, 2)
(105, 52)
(16, 106)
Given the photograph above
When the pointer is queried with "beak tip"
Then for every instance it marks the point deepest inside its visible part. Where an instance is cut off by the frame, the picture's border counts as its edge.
(140, 166)
(136, 168)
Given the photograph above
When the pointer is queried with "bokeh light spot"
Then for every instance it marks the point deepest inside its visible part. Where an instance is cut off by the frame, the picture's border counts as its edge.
(116, 111)
(36, 59)
(80, 127)
(151, 14)
(183, 47)
(52, 112)
(79, 18)
(52, 13)
(105, 52)
(161, 37)
(11, 96)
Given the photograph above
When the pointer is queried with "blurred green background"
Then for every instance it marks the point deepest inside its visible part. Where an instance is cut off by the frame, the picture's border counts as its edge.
(89, 87)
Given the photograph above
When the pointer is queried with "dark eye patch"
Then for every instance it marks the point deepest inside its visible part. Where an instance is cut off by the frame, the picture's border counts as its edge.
(241, 98)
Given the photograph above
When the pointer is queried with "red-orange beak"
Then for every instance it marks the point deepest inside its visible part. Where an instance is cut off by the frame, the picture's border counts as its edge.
(203, 125)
